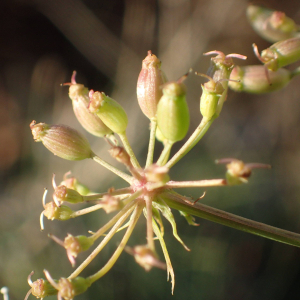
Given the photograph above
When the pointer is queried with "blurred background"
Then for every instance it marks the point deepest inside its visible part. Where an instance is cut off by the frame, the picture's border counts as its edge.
(42, 42)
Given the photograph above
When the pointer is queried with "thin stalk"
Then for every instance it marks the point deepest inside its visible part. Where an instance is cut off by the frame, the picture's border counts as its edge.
(192, 141)
(86, 210)
(165, 153)
(149, 160)
(176, 201)
(150, 240)
(103, 243)
(170, 270)
(112, 193)
(196, 183)
(129, 150)
(129, 203)
(118, 172)
(133, 220)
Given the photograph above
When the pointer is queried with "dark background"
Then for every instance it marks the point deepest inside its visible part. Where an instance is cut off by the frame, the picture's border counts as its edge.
(42, 42)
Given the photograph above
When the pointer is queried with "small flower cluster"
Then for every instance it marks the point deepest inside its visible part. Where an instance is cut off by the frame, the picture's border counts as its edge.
(150, 190)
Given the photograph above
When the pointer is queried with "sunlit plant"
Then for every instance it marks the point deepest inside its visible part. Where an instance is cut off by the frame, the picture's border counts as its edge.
(150, 192)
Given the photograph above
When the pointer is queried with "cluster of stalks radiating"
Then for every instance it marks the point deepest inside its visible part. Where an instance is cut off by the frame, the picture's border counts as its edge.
(150, 190)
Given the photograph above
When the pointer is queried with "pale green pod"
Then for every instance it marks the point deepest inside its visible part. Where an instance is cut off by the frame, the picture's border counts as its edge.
(172, 112)
(253, 79)
(159, 136)
(273, 26)
(280, 54)
(109, 111)
(211, 93)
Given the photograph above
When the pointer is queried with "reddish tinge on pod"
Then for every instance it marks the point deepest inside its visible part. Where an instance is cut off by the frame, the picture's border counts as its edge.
(62, 140)
(149, 84)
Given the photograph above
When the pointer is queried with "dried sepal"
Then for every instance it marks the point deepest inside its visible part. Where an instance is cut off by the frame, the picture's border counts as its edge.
(62, 140)
(111, 203)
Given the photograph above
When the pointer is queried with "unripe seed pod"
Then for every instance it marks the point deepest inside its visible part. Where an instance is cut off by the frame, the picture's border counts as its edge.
(62, 141)
(54, 212)
(211, 93)
(159, 136)
(109, 111)
(79, 95)
(273, 26)
(75, 245)
(69, 288)
(62, 193)
(253, 79)
(172, 112)
(149, 85)
(74, 184)
(40, 288)
(280, 54)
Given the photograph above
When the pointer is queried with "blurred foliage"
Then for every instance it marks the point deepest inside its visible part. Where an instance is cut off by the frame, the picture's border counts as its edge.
(42, 42)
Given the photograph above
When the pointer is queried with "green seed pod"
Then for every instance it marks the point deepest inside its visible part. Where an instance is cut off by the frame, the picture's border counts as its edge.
(75, 245)
(62, 141)
(62, 193)
(211, 93)
(149, 84)
(69, 288)
(109, 111)
(172, 112)
(74, 184)
(40, 288)
(253, 79)
(219, 70)
(273, 26)
(79, 95)
(54, 212)
(280, 54)
(159, 136)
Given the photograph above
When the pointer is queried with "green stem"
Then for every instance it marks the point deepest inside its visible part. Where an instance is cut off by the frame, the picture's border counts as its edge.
(165, 153)
(295, 72)
(112, 193)
(133, 220)
(150, 240)
(170, 270)
(192, 141)
(176, 201)
(86, 210)
(196, 183)
(121, 174)
(103, 243)
(151, 142)
(129, 150)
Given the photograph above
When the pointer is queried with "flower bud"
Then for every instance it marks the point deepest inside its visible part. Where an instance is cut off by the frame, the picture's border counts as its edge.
(211, 93)
(271, 25)
(69, 288)
(76, 244)
(111, 203)
(40, 288)
(238, 172)
(172, 112)
(73, 183)
(120, 154)
(145, 257)
(109, 111)
(54, 212)
(149, 84)
(62, 193)
(155, 173)
(79, 95)
(253, 79)
(280, 54)
(62, 140)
